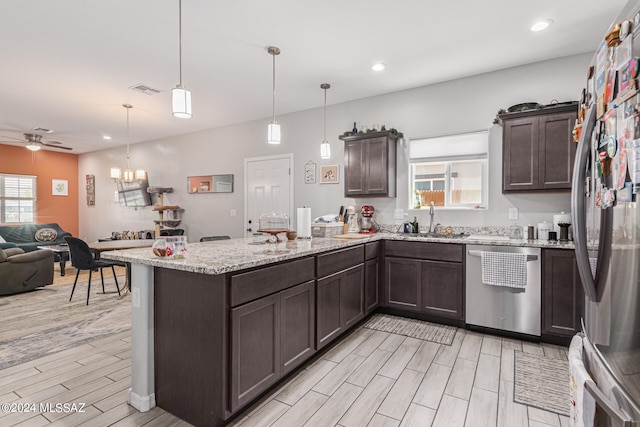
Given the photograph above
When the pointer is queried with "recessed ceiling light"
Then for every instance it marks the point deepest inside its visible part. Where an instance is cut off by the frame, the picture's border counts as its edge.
(378, 67)
(541, 25)
(107, 137)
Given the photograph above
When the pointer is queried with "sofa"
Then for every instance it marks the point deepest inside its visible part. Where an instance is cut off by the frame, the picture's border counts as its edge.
(23, 236)
(22, 271)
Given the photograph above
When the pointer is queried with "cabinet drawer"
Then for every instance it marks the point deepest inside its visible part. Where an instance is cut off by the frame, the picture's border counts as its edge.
(342, 259)
(371, 250)
(425, 250)
(255, 284)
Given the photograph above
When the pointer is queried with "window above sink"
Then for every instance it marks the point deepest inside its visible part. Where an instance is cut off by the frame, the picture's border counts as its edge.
(450, 171)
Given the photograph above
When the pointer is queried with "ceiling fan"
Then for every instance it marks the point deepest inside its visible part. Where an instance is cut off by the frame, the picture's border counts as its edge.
(33, 142)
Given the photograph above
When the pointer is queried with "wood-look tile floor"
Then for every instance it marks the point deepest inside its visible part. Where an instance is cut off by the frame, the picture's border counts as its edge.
(369, 378)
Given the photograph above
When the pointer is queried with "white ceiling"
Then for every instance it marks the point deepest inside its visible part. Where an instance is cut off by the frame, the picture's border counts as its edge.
(67, 65)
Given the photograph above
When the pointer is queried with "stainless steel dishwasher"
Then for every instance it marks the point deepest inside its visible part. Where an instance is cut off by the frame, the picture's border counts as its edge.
(500, 307)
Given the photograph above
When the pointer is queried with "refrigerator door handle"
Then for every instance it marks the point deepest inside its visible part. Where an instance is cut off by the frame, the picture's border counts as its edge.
(578, 208)
(618, 416)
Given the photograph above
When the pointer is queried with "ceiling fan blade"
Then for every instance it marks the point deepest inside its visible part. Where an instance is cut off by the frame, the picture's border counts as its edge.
(11, 137)
(54, 142)
(58, 146)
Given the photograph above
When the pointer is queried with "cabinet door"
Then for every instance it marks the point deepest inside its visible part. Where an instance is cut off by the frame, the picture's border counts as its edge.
(298, 326)
(520, 154)
(402, 284)
(351, 296)
(557, 150)
(371, 282)
(354, 168)
(562, 294)
(255, 348)
(442, 289)
(376, 161)
(328, 324)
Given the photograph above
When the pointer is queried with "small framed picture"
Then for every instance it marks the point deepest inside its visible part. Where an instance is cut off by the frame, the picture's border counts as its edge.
(310, 173)
(59, 187)
(330, 174)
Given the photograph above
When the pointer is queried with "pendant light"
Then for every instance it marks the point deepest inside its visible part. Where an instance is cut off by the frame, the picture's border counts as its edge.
(273, 130)
(325, 147)
(128, 175)
(180, 95)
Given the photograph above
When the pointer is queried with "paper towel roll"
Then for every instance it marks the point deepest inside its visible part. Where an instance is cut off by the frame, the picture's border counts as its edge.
(304, 223)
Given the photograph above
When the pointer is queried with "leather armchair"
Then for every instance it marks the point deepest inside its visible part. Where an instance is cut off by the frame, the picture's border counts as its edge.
(22, 272)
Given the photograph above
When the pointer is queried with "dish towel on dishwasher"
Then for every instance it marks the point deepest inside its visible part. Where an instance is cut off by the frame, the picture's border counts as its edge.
(504, 269)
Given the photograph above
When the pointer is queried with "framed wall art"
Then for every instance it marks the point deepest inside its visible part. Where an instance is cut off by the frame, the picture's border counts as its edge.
(59, 187)
(310, 173)
(91, 190)
(330, 174)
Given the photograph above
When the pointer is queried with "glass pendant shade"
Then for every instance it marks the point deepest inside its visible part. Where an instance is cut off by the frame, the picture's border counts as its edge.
(128, 175)
(273, 133)
(33, 147)
(325, 150)
(181, 102)
(115, 173)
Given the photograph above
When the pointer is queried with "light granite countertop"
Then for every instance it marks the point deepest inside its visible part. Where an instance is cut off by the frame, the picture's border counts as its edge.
(225, 256)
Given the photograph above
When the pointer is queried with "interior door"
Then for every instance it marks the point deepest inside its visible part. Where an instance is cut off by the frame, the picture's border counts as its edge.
(269, 188)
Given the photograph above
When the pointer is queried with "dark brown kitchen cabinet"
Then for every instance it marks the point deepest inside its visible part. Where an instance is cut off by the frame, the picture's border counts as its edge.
(371, 277)
(370, 165)
(537, 149)
(255, 348)
(562, 296)
(402, 284)
(340, 303)
(425, 277)
(441, 287)
(269, 338)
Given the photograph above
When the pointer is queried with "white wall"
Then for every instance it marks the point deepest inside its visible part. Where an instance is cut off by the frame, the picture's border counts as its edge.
(457, 106)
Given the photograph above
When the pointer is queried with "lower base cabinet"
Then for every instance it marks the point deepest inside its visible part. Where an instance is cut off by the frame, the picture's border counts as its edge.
(430, 287)
(442, 289)
(562, 296)
(340, 303)
(270, 337)
(371, 285)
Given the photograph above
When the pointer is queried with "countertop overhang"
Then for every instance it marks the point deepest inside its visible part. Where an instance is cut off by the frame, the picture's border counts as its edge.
(224, 256)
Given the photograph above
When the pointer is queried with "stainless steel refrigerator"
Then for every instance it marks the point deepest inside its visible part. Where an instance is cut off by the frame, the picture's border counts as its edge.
(606, 230)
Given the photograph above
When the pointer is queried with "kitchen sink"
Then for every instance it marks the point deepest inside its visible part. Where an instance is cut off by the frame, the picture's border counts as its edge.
(435, 235)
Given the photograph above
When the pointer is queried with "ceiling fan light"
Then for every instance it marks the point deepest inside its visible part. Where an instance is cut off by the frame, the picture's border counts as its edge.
(33, 147)
(115, 173)
(273, 133)
(181, 102)
(325, 150)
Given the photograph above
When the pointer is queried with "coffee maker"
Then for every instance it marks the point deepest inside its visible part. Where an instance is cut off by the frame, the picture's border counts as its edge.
(365, 221)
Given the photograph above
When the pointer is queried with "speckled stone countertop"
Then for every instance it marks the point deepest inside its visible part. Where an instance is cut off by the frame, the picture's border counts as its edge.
(224, 256)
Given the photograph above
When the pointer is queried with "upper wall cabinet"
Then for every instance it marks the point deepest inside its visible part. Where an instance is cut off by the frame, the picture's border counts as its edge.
(537, 149)
(370, 164)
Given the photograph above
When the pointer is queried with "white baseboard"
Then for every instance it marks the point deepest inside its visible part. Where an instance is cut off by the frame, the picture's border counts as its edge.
(142, 403)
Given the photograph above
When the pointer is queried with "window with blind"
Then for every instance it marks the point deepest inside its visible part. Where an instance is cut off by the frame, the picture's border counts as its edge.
(450, 171)
(17, 199)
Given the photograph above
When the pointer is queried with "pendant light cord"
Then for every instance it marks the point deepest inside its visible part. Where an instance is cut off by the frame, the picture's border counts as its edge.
(180, 37)
(325, 115)
(274, 87)
(128, 168)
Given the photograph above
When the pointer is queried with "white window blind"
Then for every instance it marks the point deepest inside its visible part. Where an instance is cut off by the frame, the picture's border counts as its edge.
(17, 199)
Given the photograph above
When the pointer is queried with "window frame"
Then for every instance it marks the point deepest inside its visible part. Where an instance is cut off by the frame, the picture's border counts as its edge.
(4, 198)
(448, 162)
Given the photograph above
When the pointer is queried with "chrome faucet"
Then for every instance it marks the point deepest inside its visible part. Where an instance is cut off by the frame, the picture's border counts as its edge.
(431, 214)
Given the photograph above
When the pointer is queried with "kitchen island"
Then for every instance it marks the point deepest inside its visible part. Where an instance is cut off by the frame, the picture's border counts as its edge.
(213, 331)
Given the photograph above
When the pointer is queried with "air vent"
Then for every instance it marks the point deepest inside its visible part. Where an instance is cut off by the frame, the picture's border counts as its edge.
(43, 130)
(146, 89)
